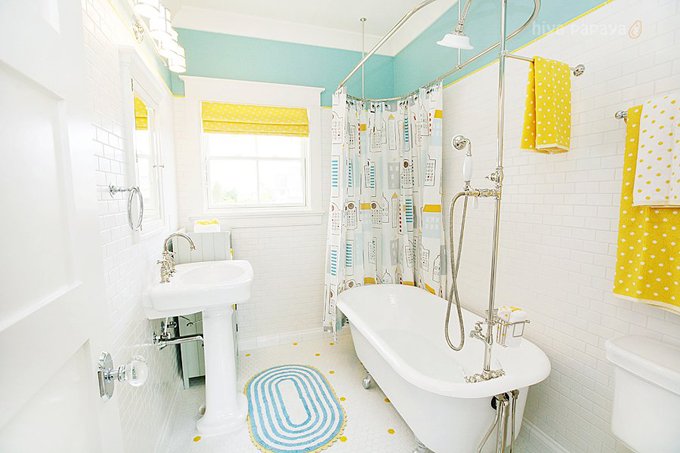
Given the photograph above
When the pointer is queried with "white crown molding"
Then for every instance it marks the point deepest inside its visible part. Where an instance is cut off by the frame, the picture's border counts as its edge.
(226, 22)
(260, 27)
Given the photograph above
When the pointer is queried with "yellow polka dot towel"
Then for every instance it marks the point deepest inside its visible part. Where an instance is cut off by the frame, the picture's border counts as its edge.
(547, 115)
(657, 178)
(648, 253)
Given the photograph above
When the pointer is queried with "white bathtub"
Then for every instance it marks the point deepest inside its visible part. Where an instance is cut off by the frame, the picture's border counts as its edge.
(398, 335)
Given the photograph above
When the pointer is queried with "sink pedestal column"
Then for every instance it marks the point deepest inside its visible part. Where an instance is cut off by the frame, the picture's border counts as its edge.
(225, 407)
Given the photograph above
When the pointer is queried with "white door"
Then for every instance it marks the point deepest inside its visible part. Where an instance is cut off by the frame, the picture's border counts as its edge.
(53, 318)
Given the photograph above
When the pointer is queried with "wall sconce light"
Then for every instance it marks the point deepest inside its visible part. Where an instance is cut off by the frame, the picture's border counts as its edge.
(155, 18)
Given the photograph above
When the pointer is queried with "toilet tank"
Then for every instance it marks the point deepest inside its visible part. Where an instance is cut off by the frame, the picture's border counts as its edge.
(646, 412)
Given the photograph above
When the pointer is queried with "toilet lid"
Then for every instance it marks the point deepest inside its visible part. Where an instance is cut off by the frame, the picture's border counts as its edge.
(650, 359)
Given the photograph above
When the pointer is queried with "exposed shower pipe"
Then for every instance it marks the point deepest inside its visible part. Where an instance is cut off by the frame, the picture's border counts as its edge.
(461, 18)
(363, 54)
(577, 70)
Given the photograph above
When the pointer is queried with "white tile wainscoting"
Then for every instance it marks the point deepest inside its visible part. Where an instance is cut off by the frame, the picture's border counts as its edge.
(129, 262)
(560, 212)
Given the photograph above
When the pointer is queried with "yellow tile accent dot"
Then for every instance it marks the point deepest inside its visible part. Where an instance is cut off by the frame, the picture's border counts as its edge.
(197, 439)
(391, 431)
(295, 344)
(342, 398)
(247, 355)
(331, 372)
(317, 354)
(331, 343)
(343, 439)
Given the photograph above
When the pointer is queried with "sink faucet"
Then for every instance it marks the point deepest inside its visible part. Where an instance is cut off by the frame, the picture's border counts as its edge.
(168, 261)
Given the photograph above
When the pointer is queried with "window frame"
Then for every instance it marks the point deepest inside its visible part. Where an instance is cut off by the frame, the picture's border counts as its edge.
(137, 79)
(194, 205)
(207, 183)
(155, 157)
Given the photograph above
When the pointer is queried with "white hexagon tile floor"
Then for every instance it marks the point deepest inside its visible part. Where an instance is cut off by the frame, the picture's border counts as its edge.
(373, 425)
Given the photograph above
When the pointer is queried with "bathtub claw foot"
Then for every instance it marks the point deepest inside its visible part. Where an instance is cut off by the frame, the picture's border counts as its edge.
(421, 448)
(367, 381)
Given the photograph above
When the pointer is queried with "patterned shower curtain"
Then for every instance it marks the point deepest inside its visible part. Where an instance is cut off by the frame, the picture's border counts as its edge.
(385, 218)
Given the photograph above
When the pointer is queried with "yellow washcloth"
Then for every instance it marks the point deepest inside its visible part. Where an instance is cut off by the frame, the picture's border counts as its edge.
(207, 222)
(648, 253)
(547, 115)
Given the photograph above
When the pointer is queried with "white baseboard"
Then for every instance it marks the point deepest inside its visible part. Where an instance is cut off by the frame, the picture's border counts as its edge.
(247, 344)
(537, 436)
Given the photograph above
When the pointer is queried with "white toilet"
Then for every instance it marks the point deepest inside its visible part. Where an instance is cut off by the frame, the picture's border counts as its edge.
(646, 413)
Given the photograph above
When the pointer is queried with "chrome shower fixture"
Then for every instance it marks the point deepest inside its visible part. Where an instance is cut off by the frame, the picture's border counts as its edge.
(461, 142)
(458, 39)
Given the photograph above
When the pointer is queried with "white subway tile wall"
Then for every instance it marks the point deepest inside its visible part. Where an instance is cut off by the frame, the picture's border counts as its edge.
(288, 261)
(560, 212)
(129, 266)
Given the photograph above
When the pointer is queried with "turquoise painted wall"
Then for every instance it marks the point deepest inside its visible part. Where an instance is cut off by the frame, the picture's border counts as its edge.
(423, 60)
(242, 58)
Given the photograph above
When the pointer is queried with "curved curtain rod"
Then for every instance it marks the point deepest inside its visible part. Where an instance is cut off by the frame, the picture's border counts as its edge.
(384, 39)
(458, 67)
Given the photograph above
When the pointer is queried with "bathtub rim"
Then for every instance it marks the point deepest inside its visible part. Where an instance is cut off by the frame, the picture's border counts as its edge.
(540, 370)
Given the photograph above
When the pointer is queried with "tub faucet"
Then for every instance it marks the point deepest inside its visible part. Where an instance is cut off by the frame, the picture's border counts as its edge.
(168, 261)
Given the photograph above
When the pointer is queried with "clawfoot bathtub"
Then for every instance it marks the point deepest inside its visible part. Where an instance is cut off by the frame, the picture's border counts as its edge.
(398, 336)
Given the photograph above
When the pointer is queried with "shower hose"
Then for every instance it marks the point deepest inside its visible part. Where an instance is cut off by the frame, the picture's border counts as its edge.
(455, 265)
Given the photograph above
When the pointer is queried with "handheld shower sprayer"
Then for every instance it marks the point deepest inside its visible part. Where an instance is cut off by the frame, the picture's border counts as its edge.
(460, 142)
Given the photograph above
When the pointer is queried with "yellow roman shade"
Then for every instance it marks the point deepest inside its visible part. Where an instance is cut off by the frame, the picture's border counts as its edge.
(141, 115)
(254, 119)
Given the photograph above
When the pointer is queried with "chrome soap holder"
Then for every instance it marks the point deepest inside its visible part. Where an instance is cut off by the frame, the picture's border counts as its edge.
(509, 330)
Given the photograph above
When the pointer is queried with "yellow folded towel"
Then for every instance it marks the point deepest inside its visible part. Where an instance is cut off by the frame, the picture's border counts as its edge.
(657, 178)
(648, 253)
(547, 115)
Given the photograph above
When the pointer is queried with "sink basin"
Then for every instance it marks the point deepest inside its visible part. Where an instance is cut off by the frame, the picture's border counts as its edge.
(197, 286)
(211, 287)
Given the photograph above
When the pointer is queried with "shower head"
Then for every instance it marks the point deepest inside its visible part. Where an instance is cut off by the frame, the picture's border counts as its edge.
(458, 39)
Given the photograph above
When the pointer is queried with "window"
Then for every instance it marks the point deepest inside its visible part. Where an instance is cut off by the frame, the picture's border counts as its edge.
(247, 170)
(255, 156)
(147, 158)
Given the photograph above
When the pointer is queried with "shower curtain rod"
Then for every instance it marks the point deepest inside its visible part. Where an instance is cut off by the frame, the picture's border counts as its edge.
(576, 70)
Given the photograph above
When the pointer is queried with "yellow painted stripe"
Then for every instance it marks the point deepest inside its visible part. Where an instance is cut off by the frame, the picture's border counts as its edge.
(439, 114)
(429, 288)
(408, 283)
(362, 127)
(369, 281)
(432, 208)
(365, 206)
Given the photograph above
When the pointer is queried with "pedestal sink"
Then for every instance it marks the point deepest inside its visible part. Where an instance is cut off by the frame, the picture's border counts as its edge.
(211, 287)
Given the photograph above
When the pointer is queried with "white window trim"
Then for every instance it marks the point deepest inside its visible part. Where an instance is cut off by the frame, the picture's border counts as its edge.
(152, 91)
(199, 89)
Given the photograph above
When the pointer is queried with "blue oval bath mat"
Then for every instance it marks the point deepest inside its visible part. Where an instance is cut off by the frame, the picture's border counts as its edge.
(292, 408)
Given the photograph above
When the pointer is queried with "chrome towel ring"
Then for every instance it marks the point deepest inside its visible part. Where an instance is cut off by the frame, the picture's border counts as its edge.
(134, 193)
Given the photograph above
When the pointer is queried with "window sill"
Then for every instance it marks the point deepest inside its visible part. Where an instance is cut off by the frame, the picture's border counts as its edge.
(265, 218)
